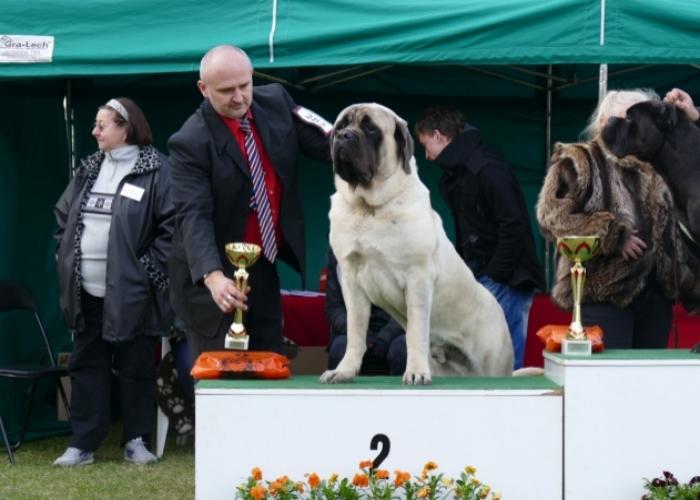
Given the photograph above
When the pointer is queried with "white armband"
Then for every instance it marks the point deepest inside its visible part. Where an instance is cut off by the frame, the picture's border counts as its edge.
(308, 116)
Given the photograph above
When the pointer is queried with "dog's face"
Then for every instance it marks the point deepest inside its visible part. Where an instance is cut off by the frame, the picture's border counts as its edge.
(642, 132)
(369, 142)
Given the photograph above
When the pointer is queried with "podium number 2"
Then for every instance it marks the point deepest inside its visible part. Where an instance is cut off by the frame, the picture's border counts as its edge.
(386, 445)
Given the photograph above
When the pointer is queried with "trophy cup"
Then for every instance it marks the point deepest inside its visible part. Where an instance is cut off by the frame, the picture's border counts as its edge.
(577, 249)
(241, 255)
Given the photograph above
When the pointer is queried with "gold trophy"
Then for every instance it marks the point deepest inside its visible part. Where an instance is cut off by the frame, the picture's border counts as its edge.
(577, 249)
(241, 255)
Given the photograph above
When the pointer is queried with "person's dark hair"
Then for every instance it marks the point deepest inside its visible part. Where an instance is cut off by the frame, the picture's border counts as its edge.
(138, 130)
(447, 120)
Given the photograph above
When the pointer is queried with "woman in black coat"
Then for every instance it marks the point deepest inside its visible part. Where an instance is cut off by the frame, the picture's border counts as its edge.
(114, 231)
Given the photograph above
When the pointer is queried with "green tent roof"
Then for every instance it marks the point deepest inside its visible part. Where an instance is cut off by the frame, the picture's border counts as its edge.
(155, 36)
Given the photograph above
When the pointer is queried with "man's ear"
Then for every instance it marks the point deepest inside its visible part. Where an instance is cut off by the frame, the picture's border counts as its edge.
(404, 144)
(202, 88)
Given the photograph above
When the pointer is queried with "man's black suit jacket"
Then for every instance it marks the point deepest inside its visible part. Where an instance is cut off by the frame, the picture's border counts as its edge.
(211, 190)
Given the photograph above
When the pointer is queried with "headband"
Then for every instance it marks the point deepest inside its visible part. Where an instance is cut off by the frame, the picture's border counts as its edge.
(119, 108)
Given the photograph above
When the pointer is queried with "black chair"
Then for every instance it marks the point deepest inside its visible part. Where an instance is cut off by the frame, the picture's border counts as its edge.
(14, 296)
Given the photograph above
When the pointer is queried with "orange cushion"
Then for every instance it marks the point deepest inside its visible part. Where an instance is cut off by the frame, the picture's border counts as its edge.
(552, 336)
(241, 364)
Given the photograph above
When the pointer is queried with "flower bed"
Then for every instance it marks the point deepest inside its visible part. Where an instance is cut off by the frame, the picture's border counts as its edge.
(369, 483)
(667, 487)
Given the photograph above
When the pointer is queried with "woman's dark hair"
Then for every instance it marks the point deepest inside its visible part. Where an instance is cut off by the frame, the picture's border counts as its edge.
(138, 130)
(447, 120)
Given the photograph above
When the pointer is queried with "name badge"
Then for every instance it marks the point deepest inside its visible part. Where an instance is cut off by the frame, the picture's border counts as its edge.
(131, 191)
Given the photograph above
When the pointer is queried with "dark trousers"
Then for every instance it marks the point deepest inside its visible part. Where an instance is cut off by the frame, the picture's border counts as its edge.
(394, 363)
(90, 366)
(643, 324)
(263, 320)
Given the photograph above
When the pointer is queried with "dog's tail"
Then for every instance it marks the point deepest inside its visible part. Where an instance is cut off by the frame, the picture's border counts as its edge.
(528, 371)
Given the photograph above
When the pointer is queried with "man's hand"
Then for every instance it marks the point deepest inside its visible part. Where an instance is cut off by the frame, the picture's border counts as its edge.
(684, 102)
(634, 247)
(224, 292)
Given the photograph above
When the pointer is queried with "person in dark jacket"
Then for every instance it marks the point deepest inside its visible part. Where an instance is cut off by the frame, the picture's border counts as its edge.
(115, 223)
(235, 179)
(386, 339)
(492, 225)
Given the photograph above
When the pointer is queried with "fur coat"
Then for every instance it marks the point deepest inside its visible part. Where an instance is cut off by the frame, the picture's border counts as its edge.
(589, 191)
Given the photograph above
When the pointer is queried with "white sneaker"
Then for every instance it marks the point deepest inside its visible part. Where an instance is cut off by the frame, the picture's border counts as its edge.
(135, 451)
(73, 456)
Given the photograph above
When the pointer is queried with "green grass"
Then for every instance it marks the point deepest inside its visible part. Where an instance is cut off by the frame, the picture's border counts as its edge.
(110, 477)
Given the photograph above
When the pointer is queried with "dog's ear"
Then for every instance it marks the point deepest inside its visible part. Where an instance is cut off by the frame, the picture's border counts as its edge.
(666, 118)
(404, 144)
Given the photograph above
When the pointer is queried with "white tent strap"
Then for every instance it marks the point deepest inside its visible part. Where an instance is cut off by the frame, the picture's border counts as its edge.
(603, 73)
(273, 28)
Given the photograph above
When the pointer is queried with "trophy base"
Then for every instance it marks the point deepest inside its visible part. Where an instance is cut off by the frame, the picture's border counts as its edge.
(572, 347)
(236, 343)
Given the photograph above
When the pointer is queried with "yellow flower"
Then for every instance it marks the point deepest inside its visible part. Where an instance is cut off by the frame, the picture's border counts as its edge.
(256, 473)
(258, 492)
(474, 481)
(333, 478)
(423, 492)
(365, 464)
(314, 480)
(484, 492)
(401, 478)
(447, 482)
(299, 487)
(496, 495)
(360, 480)
(470, 470)
(381, 474)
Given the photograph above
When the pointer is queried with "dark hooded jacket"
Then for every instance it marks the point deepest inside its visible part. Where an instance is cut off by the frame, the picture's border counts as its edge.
(493, 232)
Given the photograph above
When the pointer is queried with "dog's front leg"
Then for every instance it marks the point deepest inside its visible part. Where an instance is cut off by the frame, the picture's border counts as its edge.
(419, 301)
(358, 307)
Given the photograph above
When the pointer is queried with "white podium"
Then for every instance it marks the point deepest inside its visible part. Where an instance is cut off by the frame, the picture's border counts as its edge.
(509, 429)
(629, 414)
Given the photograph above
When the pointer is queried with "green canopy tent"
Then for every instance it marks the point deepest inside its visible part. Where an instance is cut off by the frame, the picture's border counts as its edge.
(525, 71)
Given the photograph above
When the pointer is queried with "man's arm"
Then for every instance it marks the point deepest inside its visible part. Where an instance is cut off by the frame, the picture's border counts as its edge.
(191, 192)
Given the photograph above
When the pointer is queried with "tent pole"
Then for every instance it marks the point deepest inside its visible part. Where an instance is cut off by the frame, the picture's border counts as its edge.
(68, 119)
(548, 246)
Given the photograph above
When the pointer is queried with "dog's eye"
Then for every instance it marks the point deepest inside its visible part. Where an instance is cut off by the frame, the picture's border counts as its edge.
(368, 125)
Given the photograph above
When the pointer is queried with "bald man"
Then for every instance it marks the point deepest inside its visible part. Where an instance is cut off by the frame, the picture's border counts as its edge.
(215, 203)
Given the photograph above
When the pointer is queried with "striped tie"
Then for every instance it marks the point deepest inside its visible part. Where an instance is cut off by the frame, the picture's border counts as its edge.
(259, 201)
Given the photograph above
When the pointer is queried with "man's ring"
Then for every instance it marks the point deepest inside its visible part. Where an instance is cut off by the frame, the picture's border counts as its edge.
(229, 298)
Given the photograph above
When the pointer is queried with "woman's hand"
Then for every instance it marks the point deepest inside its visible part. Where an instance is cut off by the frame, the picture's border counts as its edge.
(634, 247)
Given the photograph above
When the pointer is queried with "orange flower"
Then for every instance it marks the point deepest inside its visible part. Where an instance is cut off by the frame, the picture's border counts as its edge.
(430, 466)
(257, 492)
(423, 492)
(360, 480)
(381, 474)
(275, 487)
(365, 464)
(256, 473)
(314, 480)
(401, 478)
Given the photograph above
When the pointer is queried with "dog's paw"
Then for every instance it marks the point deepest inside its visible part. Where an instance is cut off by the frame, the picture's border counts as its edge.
(416, 378)
(336, 377)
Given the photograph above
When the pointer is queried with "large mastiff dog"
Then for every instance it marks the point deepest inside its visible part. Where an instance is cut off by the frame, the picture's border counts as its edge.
(658, 133)
(393, 252)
